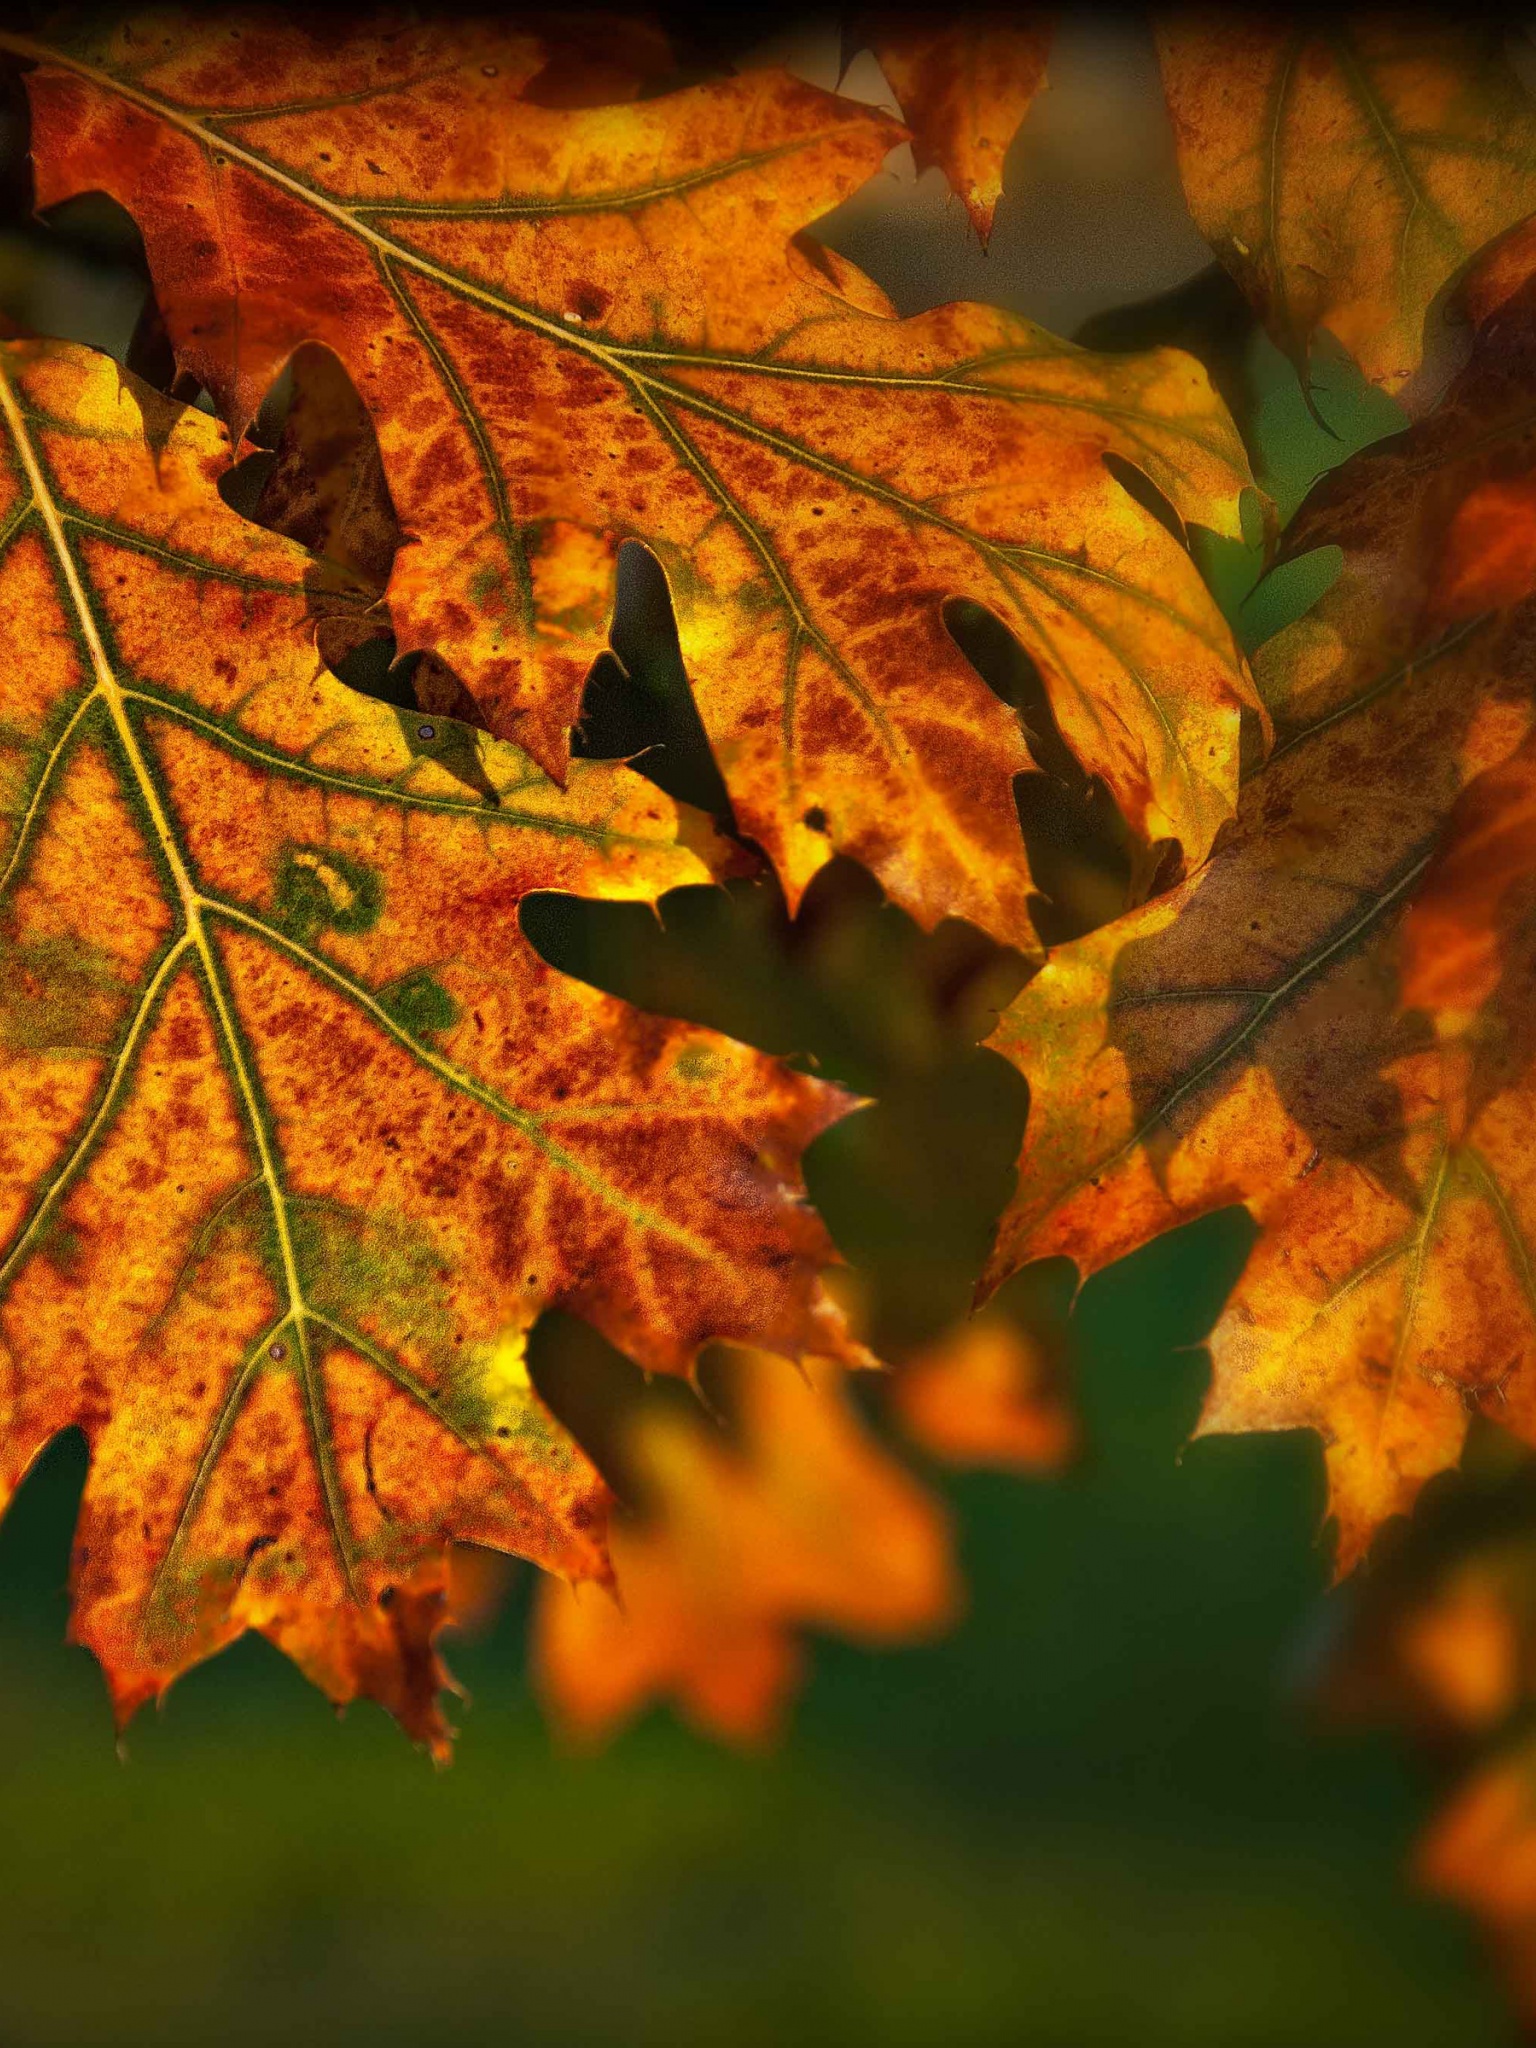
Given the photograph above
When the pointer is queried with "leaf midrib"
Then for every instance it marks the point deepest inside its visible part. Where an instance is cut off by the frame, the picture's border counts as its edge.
(196, 907)
(621, 361)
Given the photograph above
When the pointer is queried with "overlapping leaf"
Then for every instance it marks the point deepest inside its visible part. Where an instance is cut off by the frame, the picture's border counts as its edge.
(803, 1522)
(299, 1134)
(1346, 170)
(963, 86)
(1243, 1040)
(576, 328)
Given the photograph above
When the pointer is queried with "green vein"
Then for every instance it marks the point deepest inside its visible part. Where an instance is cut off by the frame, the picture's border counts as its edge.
(480, 810)
(41, 785)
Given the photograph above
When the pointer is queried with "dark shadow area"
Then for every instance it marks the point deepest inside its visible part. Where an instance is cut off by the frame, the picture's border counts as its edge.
(638, 705)
(1081, 855)
(1207, 316)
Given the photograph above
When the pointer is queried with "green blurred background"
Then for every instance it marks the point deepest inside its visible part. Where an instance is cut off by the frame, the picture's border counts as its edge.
(1101, 1811)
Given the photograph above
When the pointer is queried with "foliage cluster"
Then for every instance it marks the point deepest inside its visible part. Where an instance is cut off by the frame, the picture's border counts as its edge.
(460, 331)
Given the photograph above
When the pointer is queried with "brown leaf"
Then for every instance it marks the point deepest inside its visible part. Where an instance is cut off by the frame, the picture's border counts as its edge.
(963, 87)
(803, 1523)
(299, 1132)
(1346, 169)
(576, 328)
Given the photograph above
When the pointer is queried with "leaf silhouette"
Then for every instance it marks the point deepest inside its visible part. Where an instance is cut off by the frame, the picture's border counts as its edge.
(299, 1132)
(576, 328)
(1243, 1038)
(804, 1522)
(1345, 171)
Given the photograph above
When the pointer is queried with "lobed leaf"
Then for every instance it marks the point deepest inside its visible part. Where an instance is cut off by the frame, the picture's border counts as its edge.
(573, 328)
(1242, 1039)
(299, 1132)
(1345, 171)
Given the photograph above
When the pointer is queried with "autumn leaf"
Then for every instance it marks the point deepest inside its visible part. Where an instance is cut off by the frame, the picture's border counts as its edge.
(299, 1133)
(1243, 1039)
(1440, 1634)
(985, 1393)
(576, 328)
(1346, 170)
(963, 86)
(802, 1522)
(1466, 918)
(1480, 1852)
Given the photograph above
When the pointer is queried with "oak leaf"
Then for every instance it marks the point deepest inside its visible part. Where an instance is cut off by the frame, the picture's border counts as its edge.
(576, 328)
(1345, 171)
(299, 1133)
(963, 87)
(1244, 1039)
(802, 1522)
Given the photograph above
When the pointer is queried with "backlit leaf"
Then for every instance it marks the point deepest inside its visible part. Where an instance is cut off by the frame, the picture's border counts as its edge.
(1346, 169)
(963, 87)
(1243, 1038)
(573, 328)
(299, 1133)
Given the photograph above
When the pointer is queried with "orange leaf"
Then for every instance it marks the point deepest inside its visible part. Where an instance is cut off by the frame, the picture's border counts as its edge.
(1345, 171)
(1241, 1039)
(1479, 888)
(1481, 1852)
(985, 1394)
(963, 88)
(299, 1132)
(573, 328)
(805, 1523)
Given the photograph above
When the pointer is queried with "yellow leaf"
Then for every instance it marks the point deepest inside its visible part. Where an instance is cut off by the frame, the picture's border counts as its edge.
(1242, 1039)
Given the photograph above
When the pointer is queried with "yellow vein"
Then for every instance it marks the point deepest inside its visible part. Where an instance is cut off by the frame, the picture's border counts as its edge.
(191, 903)
(218, 1437)
(120, 1067)
(521, 1120)
(1413, 1289)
